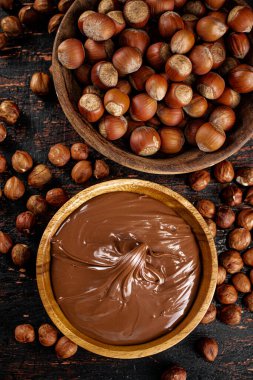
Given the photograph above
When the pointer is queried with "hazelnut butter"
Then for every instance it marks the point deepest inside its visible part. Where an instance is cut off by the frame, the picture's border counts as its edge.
(125, 268)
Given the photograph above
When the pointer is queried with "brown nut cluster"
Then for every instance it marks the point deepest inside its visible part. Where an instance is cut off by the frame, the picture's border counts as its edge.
(25, 333)
(20, 254)
(48, 335)
(174, 372)
(64, 348)
(208, 348)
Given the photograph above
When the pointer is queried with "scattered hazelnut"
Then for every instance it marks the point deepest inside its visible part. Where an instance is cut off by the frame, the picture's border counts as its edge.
(224, 172)
(82, 171)
(210, 315)
(9, 112)
(37, 205)
(212, 227)
(101, 169)
(47, 335)
(248, 301)
(199, 180)
(59, 155)
(40, 84)
(14, 188)
(231, 261)
(245, 218)
(54, 23)
(39, 176)
(65, 348)
(43, 6)
(79, 151)
(206, 208)
(239, 239)
(11, 26)
(232, 195)
(225, 217)
(3, 164)
(3, 132)
(208, 348)
(248, 257)
(5, 242)
(25, 222)
(174, 372)
(21, 161)
(231, 314)
(226, 294)
(249, 196)
(29, 16)
(56, 197)
(25, 333)
(244, 176)
(20, 254)
(222, 274)
(241, 282)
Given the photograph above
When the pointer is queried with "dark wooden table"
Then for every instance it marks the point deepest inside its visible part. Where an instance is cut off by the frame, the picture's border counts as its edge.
(43, 124)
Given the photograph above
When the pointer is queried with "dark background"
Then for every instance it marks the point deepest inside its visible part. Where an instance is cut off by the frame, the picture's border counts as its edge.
(41, 125)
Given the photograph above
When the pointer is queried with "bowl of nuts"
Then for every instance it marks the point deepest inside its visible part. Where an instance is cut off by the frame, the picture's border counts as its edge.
(158, 86)
(126, 287)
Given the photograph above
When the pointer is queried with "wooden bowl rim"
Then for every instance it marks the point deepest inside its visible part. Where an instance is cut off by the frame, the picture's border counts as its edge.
(132, 351)
(186, 162)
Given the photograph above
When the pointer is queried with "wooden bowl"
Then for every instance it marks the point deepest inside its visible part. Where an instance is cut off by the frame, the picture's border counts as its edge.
(69, 92)
(208, 257)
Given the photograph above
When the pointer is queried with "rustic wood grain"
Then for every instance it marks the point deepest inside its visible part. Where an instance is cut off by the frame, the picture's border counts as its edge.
(43, 124)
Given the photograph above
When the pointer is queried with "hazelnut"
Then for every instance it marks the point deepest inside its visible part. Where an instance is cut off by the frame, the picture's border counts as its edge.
(210, 315)
(25, 222)
(37, 205)
(248, 257)
(11, 26)
(9, 112)
(59, 155)
(199, 180)
(231, 261)
(224, 172)
(222, 274)
(56, 197)
(21, 161)
(25, 333)
(241, 282)
(20, 254)
(244, 176)
(5, 242)
(231, 314)
(54, 23)
(43, 6)
(3, 132)
(206, 208)
(174, 372)
(79, 151)
(14, 188)
(226, 294)
(82, 171)
(40, 84)
(29, 16)
(248, 301)
(239, 239)
(225, 217)
(3, 164)
(208, 348)
(65, 348)
(47, 335)
(39, 176)
(249, 196)
(101, 169)
(245, 218)
(232, 195)
(212, 227)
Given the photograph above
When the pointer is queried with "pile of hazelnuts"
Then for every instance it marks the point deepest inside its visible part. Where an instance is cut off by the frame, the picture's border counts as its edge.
(162, 73)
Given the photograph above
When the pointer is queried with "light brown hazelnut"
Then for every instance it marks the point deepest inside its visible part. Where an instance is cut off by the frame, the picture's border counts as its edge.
(21, 161)
(244, 176)
(248, 257)
(25, 222)
(248, 301)
(9, 112)
(231, 261)
(210, 315)
(56, 197)
(65, 348)
(39, 176)
(79, 151)
(231, 314)
(206, 208)
(101, 169)
(245, 218)
(222, 274)
(208, 348)
(40, 84)
(11, 26)
(249, 196)
(225, 217)
(199, 180)
(232, 195)
(174, 372)
(3, 164)
(37, 205)
(224, 172)
(5, 242)
(59, 155)
(25, 333)
(82, 171)
(14, 188)
(20, 254)
(239, 239)
(226, 294)
(47, 335)
(3, 132)
(241, 282)
(212, 227)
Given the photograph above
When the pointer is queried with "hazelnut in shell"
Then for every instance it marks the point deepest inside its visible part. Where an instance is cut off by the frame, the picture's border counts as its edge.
(145, 141)
(116, 102)
(182, 41)
(241, 79)
(136, 13)
(91, 107)
(143, 107)
(211, 85)
(223, 117)
(178, 67)
(25, 333)
(210, 29)
(113, 127)
(169, 23)
(240, 19)
(210, 137)
(127, 60)
(239, 239)
(172, 140)
(98, 27)
(201, 59)
(71, 53)
(231, 261)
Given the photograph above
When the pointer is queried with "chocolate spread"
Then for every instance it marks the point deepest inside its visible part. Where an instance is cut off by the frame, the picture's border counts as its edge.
(125, 268)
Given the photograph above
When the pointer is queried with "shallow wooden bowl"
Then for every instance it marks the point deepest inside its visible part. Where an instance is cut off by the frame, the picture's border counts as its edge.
(69, 92)
(206, 289)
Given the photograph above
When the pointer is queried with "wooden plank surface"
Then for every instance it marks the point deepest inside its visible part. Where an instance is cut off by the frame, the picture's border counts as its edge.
(43, 124)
